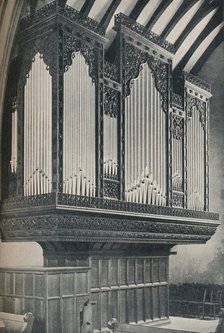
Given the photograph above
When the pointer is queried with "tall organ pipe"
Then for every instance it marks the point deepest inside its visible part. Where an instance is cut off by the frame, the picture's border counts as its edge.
(145, 144)
(13, 160)
(110, 146)
(37, 130)
(79, 129)
(196, 162)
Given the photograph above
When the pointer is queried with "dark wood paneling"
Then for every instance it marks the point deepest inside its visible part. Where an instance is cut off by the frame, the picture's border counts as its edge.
(123, 272)
(123, 306)
(155, 302)
(67, 284)
(104, 273)
(52, 296)
(28, 284)
(131, 306)
(148, 304)
(132, 297)
(139, 304)
(104, 307)
(68, 313)
(19, 284)
(54, 323)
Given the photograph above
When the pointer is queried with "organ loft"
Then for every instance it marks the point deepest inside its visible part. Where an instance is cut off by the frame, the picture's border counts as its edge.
(105, 165)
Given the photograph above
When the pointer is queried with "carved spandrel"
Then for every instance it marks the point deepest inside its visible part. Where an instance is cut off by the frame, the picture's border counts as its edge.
(177, 127)
(44, 46)
(72, 45)
(111, 71)
(133, 61)
(194, 102)
(134, 57)
(111, 102)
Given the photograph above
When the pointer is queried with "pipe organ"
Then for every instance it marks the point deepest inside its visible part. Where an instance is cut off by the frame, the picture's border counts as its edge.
(106, 167)
(79, 129)
(37, 130)
(145, 142)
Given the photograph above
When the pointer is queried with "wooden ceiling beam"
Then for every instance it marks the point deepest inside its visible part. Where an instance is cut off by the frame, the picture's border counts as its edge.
(136, 11)
(212, 24)
(158, 12)
(87, 6)
(210, 49)
(109, 13)
(203, 11)
(181, 11)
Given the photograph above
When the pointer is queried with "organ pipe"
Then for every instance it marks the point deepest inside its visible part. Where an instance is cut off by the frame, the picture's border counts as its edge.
(196, 162)
(79, 130)
(13, 160)
(145, 142)
(177, 156)
(38, 130)
(110, 146)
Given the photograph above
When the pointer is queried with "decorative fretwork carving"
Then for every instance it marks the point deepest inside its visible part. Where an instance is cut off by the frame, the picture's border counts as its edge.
(111, 102)
(95, 202)
(111, 71)
(45, 46)
(178, 200)
(177, 127)
(193, 102)
(67, 12)
(111, 189)
(134, 57)
(90, 227)
(72, 45)
(177, 101)
(160, 73)
(201, 106)
(197, 82)
(140, 29)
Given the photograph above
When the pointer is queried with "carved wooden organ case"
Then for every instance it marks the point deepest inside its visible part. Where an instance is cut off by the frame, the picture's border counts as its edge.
(84, 132)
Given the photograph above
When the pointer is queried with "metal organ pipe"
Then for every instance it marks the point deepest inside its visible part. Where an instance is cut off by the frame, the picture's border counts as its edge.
(177, 166)
(37, 130)
(110, 133)
(13, 160)
(145, 144)
(79, 130)
(196, 161)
